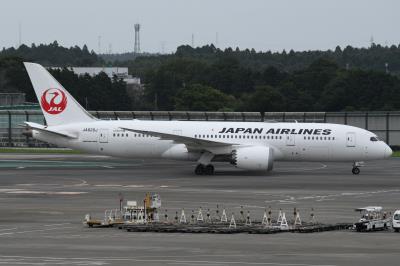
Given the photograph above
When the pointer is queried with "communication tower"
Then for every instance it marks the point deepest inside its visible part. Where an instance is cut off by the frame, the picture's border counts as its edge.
(19, 34)
(136, 50)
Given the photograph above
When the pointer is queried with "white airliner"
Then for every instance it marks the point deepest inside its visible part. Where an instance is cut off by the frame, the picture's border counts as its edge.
(247, 145)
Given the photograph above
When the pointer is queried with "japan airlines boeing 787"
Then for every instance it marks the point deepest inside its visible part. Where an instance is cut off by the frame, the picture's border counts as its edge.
(247, 145)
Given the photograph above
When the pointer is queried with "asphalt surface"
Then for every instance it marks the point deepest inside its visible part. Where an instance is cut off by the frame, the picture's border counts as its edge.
(44, 198)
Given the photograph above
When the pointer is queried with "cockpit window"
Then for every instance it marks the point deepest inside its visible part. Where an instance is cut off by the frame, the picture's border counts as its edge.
(374, 139)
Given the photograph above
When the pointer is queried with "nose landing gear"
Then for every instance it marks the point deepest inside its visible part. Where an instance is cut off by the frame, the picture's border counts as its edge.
(355, 170)
(356, 167)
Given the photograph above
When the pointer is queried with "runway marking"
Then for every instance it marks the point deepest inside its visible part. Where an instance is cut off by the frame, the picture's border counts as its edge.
(108, 185)
(84, 183)
(9, 229)
(21, 191)
(51, 212)
(35, 230)
(135, 186)
(333, 196)
(221, 204)
(95, 261)
(56, 224)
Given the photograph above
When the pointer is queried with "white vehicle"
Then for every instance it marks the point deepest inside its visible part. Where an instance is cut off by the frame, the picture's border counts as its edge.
(247, 145)
(372, 219)
(396, 221)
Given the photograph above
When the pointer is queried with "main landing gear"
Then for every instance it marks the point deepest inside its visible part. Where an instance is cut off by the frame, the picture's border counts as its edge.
(356, 167)
(202, 169)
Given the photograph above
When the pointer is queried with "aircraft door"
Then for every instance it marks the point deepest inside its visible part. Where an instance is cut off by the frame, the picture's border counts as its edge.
(103, 135)
(290, 140)
(351, 139)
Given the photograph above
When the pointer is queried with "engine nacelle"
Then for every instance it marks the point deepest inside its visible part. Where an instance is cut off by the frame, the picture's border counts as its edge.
(255, 158)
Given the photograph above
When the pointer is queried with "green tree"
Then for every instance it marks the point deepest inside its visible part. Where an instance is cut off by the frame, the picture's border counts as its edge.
(264, 99)
(198, 97)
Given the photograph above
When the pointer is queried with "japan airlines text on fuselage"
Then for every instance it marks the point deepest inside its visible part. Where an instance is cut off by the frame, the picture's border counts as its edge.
(248, 145)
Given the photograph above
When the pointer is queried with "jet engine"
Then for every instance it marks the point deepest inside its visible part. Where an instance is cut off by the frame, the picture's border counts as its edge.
(254, 158)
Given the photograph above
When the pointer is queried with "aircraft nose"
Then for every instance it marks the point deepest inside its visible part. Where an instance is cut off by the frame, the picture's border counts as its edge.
(388, 152)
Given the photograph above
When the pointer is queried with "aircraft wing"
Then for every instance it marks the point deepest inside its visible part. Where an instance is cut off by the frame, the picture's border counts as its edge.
(42, 128)
(215, 147)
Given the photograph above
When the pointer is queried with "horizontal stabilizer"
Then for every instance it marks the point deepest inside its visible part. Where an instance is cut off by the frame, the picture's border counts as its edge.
(42, 128)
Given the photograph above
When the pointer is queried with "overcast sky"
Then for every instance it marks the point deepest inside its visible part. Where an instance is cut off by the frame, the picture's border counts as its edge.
(260, 24)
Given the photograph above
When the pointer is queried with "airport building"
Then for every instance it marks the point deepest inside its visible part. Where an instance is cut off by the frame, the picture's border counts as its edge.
(385, 124)
(119, 72)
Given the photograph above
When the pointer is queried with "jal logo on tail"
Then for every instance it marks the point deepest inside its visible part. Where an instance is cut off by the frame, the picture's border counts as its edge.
(53, 101)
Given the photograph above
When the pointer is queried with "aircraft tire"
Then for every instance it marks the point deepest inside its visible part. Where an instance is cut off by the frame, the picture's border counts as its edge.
(355, 170)
(199, 170)
(209, 169)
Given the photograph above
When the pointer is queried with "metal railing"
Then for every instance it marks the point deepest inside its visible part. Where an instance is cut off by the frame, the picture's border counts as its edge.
(385, 124)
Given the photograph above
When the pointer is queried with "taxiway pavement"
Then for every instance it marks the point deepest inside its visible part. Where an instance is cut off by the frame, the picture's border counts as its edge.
(43, 200)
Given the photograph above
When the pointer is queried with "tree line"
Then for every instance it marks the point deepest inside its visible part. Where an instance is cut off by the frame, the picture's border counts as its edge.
(190, 84)
(210, 79)
(94, 93)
